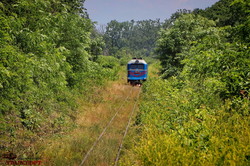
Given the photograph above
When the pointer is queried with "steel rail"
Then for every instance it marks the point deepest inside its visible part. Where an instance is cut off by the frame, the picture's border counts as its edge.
(126, 131)
(104, 130)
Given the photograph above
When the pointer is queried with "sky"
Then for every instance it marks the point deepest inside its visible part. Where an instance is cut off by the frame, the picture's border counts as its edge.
(103, 11)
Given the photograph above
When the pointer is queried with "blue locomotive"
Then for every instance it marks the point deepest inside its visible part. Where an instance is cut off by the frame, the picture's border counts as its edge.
(137, 71)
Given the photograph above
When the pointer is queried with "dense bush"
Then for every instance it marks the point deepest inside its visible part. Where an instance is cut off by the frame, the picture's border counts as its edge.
(185, 32)
(45, 63)
(110, 66)
(190, 126)
(200, 114)
(215, 59)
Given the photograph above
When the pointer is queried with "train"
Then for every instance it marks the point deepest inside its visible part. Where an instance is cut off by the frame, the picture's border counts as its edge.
(137, 70)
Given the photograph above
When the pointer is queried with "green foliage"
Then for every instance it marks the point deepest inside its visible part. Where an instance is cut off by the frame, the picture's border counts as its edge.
(169, 22)
(227, 12)
(226, 63)
(199, 116)
(222, 12)
(133, 35)
(124, 55)
(46, 61)
(241, 31)
(186, 31)
(189, 125)
(97, 45)
(110, 65)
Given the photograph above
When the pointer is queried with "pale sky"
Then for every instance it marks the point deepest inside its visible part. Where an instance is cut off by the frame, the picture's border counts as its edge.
(103, 11)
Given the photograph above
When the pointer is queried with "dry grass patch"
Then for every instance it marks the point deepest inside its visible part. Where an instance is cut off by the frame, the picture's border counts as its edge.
(92, 117)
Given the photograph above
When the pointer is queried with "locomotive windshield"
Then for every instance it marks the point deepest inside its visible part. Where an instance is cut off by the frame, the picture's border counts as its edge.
(137, 66)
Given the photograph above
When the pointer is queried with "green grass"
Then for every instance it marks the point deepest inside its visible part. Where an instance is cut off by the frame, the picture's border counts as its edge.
(189, 125)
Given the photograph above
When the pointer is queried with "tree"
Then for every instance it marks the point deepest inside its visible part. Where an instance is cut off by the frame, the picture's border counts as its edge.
(169, 22)
(97, 45)
(185, 32)
(226, 12)
(137, 36)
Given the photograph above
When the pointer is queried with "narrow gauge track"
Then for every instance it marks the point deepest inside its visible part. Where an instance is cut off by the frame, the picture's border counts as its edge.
(108, 125)
(126, 130)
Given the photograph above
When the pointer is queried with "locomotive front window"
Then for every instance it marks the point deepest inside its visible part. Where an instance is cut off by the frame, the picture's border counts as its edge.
(136, 66)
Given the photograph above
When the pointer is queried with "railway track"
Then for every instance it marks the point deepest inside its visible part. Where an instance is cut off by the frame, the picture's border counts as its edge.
(130, 100)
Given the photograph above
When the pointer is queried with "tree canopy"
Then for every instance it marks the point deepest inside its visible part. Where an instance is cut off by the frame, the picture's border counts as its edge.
(138, 36)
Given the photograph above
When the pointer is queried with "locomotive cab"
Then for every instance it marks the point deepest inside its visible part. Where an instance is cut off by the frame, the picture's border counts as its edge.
(137, 71)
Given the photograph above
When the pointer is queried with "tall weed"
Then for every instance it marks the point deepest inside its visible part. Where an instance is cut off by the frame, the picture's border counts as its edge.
(189, 125)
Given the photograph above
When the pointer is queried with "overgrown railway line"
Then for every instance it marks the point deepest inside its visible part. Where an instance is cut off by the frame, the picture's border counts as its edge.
(128, 106)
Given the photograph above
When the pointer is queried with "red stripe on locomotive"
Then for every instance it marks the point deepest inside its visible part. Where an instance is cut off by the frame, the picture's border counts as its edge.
(137, 73)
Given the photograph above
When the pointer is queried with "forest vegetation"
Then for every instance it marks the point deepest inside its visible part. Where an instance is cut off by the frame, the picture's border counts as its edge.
(195, 113)
(48, 59)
